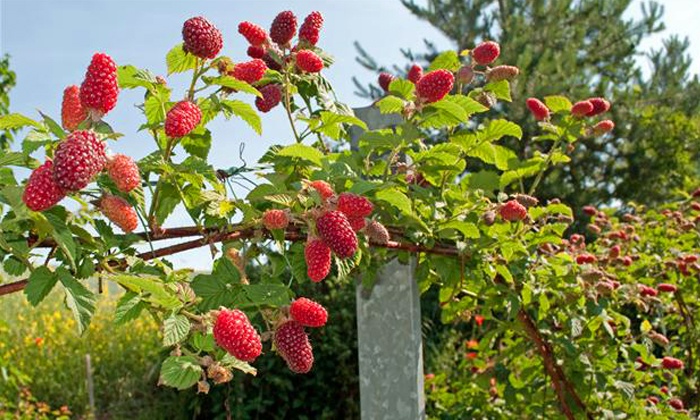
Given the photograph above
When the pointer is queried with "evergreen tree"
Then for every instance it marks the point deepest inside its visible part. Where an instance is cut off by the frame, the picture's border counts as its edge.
(7, 81)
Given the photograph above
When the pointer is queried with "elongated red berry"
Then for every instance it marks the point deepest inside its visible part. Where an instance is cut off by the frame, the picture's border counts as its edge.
(603, 127)
(671, 363)
(581, 109)
(283, 28)
(254, 34)
(538, 109)
(318, 259)
(271, 96)
(234, 333)
(600, 105)
(72, 111)
(311, 28)
(666, 287)
(323, 188)
(78, 159)
(308, 313)
(124, 172)
(250, 71)
(499, 73)
(646, 290)
(42, 192)
(182, 118)
(435, 85)
(377, 233)
(275, 219)
(357, 223)
(486, 52)
(513, 211)
(119, 212)
(201, 37)
(586, 259)
(294, 346)
(414, 73)
(309, 62)
(337, 233)
(385, 80)
(676, 404)
(590, 210)
(99, 91)
(256, 51)
(354, 205)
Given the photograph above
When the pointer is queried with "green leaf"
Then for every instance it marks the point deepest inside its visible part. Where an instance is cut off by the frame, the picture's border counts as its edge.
(14, 266)
(63, 237)
(54, 127)
(396, 198)
(501, 89)
(231, 362)
(448, 60)
(12, 159)
(390, 105)
(402, 88)
(232, 83)
(168, 199)
(130, 77)
(303, 152)
(129, 307)
(15, 121)
(451, 108)
(175, 329)
(197, 143)
(220, 288)
(268, 294)
(331, 123)
(180, 372)
(544, 306)
(151, 288)
(40, 283)
(497, 129)
(469, 230)
(557, 103)
(245, 112)
(178, 61)
(79, 299)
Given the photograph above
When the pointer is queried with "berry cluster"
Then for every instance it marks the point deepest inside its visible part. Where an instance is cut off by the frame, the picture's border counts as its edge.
(291, 341)
(583, 109)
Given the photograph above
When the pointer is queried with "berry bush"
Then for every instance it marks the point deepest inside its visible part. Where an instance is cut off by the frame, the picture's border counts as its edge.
(565, 328)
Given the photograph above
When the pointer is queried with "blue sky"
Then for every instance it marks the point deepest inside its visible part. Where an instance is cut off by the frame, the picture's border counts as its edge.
(51, 43)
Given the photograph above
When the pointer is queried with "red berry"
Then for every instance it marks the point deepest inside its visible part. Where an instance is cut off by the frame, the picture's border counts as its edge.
(234, 333)
(256, 51)
(120, 212)
(357, 223)
(513, 211)
(283, 28)
(696, 193)
(323, 188)
(99, 91)
(666, 287)
(676, 403)
(385, 80)
(499, 73)
(646, 290)
(201, 38)
(671, 363)
(250, 71)
(78, 159)
(695, 206)
(415, 73)
(614, 251)
(435, 85)
(271, 62)
(254, 34)
(627, 261)
(600, 105)
(581, 109)
(486, 52)
(293, 345)
(538, 109)
(309, 62)
(590, 210)
(308, 313)
(603, 127)
(465, 75)
(42, 192)
(182, 118)
(653, 400)
(377, 233)
(311, 28)
(271, 96)
(318, 259)
(354, 205)
(72, 111)
(336, 232)
(275, 219)
(123, 171)
(585, 259)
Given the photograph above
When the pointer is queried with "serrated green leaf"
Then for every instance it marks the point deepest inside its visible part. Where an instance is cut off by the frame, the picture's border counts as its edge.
(79, 299)
(245, 112)
(497, 129)
(168, 199)
(151, 288)
(180, 372)
(197, 143)
(501, 89)
(40, 283)
(130, 77)
(220, 288)
(232, 83)
(396, 198)
(129, 307)
(390, 105)
(402, 88)
(16, 121)
(231, 362)
(54, 127)
(448, 60)
(302, 151)
(557, 103)
(268, 294)
(63, 237)
(469, 230)
(178, 61)
(175, 329)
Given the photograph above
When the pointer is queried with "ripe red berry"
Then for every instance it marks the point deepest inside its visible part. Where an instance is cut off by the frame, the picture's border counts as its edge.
(696, 193)
(486, 53)
(336, 232)
(323, 188)
(357, 223)
(293, 345)
(271, 96)
(614, 251)
(676, 403)
(666, 287)
(120, 212)
(78, 159)
(309, 62)
(377, 233)
(590, 210)
(354, 205)
(646, 290)
(275, 219)
(270, 61)
(310, 29)
(603, 127)
(585, 259)
(538, 109)
(695, 206)
(250, 71)
(415, 73)
(256, 51)
(308, 313)
(283, 28)
(42, 192)
(124, 172)
(182, 118)
(600, 105)
(513, 211)
(671, 363)
(234, 333)
(318, 260)
(201, 37)
(254, 34)
(435, 85)
(385, 80)
(99, 91)
(72, 111)
(581, 109)
(499, 73)
(653, 400)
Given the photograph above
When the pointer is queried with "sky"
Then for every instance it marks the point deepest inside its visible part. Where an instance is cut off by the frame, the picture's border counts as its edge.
(51, 42)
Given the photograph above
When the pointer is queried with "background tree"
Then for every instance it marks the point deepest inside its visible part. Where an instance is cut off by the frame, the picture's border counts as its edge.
(7, 81)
